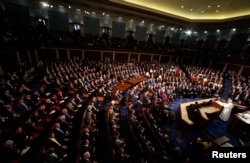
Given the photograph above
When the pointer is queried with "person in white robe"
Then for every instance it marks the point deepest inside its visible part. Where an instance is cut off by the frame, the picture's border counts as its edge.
(227, 108)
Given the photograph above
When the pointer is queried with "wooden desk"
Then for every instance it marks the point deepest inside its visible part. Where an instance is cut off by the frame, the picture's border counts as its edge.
(135, 81)
(122, 87)
(204, 111)
(130, 83)
(208, 110)
(239, 125)
(185, 122)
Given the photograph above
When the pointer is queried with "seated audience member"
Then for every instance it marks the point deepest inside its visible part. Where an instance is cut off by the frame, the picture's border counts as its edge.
(86, 157)
(8, 152)
(60, 149)
(8, 97)
(122, 156)
(60, 135)
(50, 156)
(197, 149)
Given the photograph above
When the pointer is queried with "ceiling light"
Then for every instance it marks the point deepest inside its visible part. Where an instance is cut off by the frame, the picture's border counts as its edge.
(188, 32)
(45, 4)
(182, 6)
(205, 31)
(202, 11)
(217, 10)
(209, 6)
(218, 30)
(234, 29)
(69, 6)
(191, 9)
(103, 13)
(218, 6)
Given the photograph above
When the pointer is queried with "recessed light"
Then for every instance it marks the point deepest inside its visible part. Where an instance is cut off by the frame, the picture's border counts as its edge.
(209, 6)
(218, 30)
(234, 29)
(202, 11)
(191, 9)
(182, 6)
(217, 10)
(218, 5)
(69, 6)
(205, 31)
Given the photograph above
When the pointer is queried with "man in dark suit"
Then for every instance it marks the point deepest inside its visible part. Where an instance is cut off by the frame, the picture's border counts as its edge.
(60, 135)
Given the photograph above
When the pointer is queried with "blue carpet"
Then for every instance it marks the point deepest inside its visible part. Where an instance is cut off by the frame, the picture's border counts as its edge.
(218, 128)
(215, 127)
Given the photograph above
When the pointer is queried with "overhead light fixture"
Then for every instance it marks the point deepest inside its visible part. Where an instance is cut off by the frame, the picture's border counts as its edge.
(202, 11)
(218, 6)
(209, 6)
(218, 30)
(188, 32)
(182, 6)
(205, 31)
(45, 4)
(191, 9)
(217, 10)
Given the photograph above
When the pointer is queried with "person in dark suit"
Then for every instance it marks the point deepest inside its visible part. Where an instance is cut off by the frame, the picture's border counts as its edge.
(60, 135)
(8, 152)
(8, 97)
(86, 147)
(9, 85)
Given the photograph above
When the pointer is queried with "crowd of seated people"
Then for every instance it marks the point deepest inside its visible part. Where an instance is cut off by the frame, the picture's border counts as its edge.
(142, 134)
(119, 147)
(89, 134)
(23, 107)
(27, 116)
(208, 81)
(239, 90)
(62, 132)
(156, 115)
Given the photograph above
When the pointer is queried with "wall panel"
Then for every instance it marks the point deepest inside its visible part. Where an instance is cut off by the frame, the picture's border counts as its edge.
(145, 57)
(246, 72)
(164, 59)
(75, 54)
(92, 55)
(108, 55)
(47, 54)
(121, 56)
